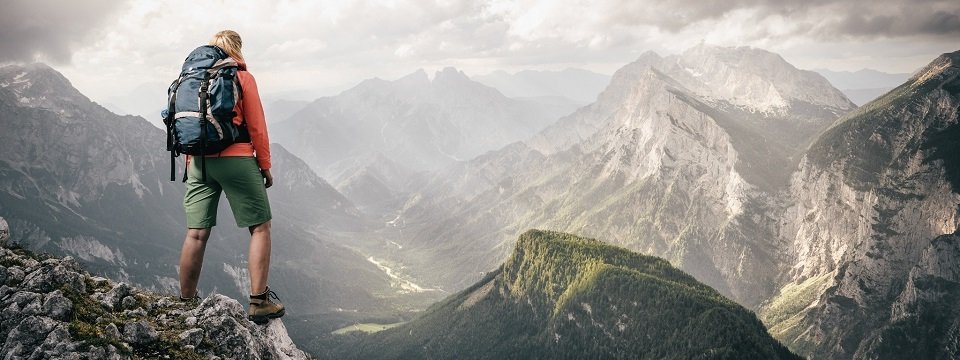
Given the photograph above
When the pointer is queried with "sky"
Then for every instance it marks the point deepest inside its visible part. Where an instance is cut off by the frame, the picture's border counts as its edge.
(305, 49)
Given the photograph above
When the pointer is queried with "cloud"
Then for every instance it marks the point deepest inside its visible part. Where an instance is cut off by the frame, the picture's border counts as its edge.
(917, 20)
(49, 30)
(401, 34)
(309, 48)
(824, 19)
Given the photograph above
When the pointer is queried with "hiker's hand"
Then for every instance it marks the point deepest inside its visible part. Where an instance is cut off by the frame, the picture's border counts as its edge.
(267, 178)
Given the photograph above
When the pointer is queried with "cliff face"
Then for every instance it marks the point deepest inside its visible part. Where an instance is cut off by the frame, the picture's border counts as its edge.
(925, 317)
(873, 203)
(52, 309)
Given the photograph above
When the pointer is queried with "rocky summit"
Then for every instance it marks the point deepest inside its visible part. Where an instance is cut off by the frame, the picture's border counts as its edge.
(52, 309)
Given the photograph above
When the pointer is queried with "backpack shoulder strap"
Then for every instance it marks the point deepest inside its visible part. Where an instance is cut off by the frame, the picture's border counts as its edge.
(169, 121)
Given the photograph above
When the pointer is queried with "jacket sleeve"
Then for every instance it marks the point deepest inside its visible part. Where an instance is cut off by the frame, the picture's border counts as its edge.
(256, 122)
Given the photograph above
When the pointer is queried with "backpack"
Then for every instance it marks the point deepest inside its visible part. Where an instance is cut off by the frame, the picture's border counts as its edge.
(200, 103)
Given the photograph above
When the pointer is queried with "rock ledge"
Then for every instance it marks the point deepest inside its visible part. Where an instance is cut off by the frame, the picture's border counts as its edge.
(52, 309)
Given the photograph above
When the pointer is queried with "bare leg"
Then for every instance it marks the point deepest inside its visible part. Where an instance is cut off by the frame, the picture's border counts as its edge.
(191, 260)
(259, 261)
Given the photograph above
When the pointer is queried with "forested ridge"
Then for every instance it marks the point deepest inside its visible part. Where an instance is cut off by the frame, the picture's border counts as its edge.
(560, 296)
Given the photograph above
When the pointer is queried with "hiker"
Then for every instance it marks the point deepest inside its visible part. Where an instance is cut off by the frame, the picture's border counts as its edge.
(242, 171)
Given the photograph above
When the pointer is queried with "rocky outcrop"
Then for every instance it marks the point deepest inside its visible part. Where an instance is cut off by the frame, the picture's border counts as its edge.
(52, 309)
(925, 317)
(4, 231)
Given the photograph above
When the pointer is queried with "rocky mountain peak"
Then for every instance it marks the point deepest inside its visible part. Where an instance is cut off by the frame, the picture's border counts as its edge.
(745, 84)
(53, 309)
(634, 91)
(421, 81)
(455, 86)
(33, 71)
(649, 57)
(447, 85)
(756, 78)
(39, 85)
(642, 77)
(945, 64)
(628, 72)
(735, 55)
(450, 74)
(417, 77)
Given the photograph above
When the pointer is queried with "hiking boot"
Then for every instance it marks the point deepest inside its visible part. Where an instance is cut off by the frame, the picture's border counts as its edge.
(191, 301)
(262, 308)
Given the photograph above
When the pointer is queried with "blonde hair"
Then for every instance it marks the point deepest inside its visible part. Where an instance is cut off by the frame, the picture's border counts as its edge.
(229, 41)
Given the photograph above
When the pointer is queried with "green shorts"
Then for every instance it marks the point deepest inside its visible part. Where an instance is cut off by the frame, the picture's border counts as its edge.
(240, 178)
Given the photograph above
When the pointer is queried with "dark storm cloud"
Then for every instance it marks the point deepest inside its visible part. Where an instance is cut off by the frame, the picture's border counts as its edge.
(920, 18)
(819, 18)
(49, 29)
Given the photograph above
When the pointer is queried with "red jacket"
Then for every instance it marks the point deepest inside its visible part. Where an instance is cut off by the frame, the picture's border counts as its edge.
(250, 110)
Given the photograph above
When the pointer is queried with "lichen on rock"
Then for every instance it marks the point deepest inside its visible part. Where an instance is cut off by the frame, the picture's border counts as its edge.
(52, 309)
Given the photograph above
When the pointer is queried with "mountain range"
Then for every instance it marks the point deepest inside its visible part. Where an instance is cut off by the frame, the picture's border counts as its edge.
(379, 136)
(678, 158)
(761, 181)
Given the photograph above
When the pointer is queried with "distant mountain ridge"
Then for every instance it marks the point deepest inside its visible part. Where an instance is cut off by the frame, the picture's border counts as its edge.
(417, 122)
(576, 84)
(562, 296)
(405, 127)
